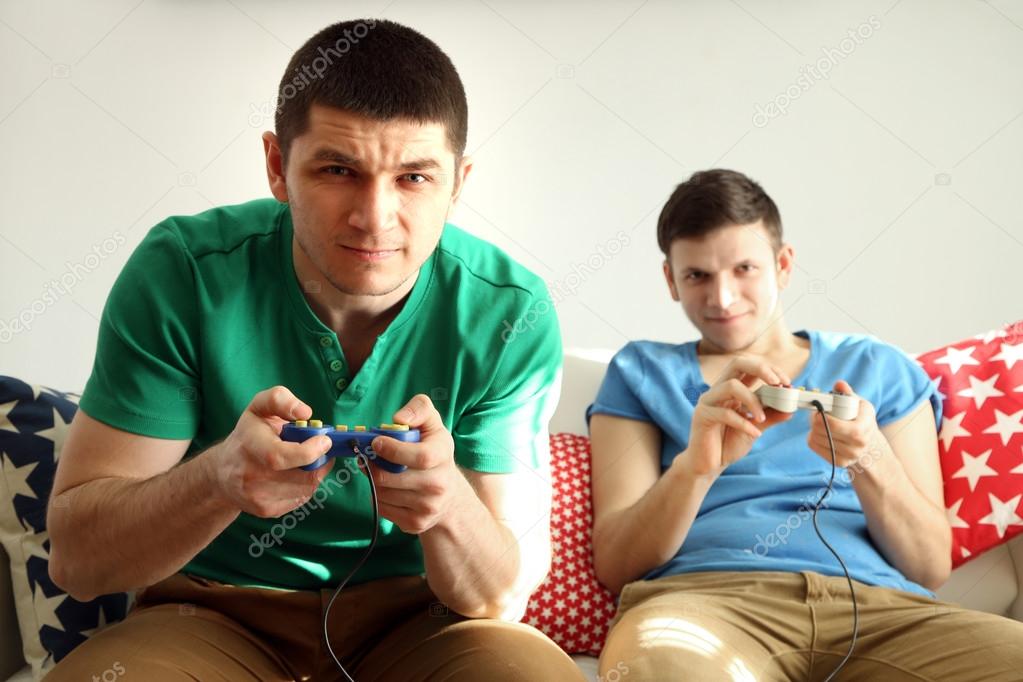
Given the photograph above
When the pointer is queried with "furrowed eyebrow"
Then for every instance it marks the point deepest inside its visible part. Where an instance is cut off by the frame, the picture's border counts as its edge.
(327, 154)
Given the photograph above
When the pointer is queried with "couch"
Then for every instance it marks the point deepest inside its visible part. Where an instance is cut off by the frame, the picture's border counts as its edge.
(992, 582)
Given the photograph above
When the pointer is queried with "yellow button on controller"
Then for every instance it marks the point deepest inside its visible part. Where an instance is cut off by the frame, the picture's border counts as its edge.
(301, 422)
(341, 427)
(360, 428)
(394, 427)
(315, 424)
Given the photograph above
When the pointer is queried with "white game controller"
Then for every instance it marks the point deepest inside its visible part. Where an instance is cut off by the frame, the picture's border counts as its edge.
(789, 399)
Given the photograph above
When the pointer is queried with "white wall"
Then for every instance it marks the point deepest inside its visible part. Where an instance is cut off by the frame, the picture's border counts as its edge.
(898, 175)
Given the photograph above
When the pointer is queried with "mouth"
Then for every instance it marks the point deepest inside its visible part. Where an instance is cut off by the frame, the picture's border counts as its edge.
(371, 255)
(726, 320)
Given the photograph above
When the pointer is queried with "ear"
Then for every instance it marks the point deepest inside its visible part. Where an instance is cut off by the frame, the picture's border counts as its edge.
(461, 174)
(785, 262)
(275, 167)
(670, 279)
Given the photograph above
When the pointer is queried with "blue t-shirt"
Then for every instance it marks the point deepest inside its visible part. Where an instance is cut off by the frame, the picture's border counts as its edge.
(757, 514)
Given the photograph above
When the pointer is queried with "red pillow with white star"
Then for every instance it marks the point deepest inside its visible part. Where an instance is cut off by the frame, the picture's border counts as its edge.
(570, 606)
(981, 438)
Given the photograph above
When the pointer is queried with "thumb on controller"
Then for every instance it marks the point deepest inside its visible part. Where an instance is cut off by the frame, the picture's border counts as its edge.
(842, 386)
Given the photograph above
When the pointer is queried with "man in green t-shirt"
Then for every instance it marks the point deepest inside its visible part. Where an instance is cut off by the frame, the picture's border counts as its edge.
(346, 298)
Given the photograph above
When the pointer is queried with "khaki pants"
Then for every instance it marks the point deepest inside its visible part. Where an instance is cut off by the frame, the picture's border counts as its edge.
(797, 626)
(189, 628)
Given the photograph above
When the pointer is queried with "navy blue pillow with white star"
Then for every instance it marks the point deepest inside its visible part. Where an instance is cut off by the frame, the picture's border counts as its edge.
(33, 423)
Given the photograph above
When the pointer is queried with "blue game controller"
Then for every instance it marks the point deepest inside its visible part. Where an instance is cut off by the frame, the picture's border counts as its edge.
(345, 440)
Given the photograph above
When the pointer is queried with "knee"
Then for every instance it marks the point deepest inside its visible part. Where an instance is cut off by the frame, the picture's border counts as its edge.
(653, 646)
(496, 650)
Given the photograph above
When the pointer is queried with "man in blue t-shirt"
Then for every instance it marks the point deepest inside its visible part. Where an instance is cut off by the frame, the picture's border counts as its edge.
(704, 500)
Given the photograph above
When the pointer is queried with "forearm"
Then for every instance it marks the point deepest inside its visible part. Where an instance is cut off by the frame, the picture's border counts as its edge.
(146, 529)
(633, 541)
(911, 532)
(476, 565)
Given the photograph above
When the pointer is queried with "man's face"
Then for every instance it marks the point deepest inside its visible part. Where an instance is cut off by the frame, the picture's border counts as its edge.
(728, 283)
(368, 198)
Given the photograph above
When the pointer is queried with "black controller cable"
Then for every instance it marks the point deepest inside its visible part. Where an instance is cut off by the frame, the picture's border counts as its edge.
(852, 591)
(363, 460)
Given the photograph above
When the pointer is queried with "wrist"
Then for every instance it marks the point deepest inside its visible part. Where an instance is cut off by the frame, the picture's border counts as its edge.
(681, 473)
(459, 511)
(877, 468)
(207, 465)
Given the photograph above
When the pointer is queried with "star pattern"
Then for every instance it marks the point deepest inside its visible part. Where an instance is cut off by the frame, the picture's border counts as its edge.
(953, 516)
(951, 428)
(15, 478)
(1009, 354)
(975, 468)
(981, 438)
(570, 606)
(956, 358)
(1003, 513)
(34, 422)
(1006, 425)
(981, 390)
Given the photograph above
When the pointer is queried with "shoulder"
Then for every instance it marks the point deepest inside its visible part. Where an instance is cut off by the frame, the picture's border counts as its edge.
(640, 358)
(222, 229)
(859, 346)
(466, 260)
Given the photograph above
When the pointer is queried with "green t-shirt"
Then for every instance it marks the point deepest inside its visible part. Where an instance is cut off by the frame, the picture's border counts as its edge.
(208, 312)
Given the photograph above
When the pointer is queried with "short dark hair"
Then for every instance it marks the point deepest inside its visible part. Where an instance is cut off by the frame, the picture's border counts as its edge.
(713, 199)
(375, 68)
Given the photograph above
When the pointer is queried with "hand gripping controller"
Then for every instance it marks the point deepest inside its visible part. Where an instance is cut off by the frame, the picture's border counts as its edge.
(788, 399)
(346, 441)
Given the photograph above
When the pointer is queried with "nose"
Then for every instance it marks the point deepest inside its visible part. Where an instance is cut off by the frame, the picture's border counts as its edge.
(375, 206)
(722, 294)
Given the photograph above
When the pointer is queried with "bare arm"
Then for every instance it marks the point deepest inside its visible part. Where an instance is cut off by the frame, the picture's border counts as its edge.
(640, 517)
(124, 513)
(486, 560)
(485, 537)
(900, 489)
(121, 517)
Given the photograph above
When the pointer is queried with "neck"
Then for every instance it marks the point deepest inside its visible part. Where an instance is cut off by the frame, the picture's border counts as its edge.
(346, 313)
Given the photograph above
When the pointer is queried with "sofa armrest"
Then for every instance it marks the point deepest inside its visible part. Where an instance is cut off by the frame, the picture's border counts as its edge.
(11, 657)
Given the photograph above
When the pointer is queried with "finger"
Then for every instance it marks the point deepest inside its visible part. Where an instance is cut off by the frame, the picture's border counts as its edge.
(410, 479)
(297, 483)
(419, 413)
(842, 386)
(400, 516)
(282, 455)
(740, 393)
(775, 417)
(418, 456)
(279, 401)
(732, 419)
(748, 370)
